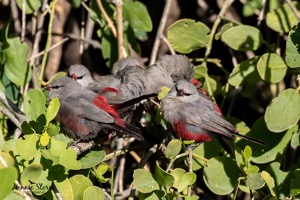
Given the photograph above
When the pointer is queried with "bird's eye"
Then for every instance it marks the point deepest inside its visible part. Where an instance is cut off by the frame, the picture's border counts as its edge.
(187, 94)
(80, 77)
(56, 86)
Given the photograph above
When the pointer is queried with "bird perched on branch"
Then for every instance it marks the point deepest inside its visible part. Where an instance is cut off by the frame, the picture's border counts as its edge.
(193, 116)
(86, 115)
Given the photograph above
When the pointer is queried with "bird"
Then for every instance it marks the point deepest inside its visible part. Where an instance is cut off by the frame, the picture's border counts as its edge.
(194, 116)
(85, 115)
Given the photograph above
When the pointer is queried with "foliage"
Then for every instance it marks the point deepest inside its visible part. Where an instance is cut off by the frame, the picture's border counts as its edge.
(40, 162)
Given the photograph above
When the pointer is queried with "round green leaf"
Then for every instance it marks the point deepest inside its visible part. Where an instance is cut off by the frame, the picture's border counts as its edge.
(79, 184)
(93, 192)
(177, 173)
(186, 35)
(27, 147)
(244, 72)
(164, 92)
(271, 67)
(137, 15)
(52, 109)
(44, 139)
(155, 195)
(31, 173)
(30, 5)
(253, 169)
(247, 153)
(186, 180)
(243, 38)
(200, 71)
(283, 111)
(15, 67)
(65, 189)
(144, 181)
(8, 176)
(162, 177)
(221, 175)
(254, 181)
(173, 148)
(42, 184)
(276, 143)
(34, 104)
(283, 18)
(92, 158)
(292, 47)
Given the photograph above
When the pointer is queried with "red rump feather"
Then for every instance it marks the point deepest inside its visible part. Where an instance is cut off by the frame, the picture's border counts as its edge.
(109, 89)
(101, 103)
(181, 132)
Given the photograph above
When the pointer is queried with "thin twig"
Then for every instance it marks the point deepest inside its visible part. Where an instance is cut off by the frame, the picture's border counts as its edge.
(49, 49)
(160, 31)
(48, 43)
(82, 31)
(90, 11)
(83, 146)
(119, 4)
(262, 12)
(23, 21)
(12, 117)
(15, 16)
(106, 17)
(294, 9)
(168, 44)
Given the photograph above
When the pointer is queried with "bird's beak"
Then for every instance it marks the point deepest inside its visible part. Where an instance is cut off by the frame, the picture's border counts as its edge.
(47, 87)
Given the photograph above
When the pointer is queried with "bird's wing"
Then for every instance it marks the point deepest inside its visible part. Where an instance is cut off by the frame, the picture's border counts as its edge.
(207, 119)
(88, 110)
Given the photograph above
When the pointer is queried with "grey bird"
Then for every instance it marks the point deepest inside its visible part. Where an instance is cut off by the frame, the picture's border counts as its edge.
(193, 116)
(86, 115)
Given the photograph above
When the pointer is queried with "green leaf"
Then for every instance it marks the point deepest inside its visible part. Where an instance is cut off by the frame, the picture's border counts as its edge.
(224, 28)
(34, 104)
(271, 67)
(295, 189)
(31, 173)
(269, 181)
(221, 168)
(15, 67)
(282, 179)
(250, 6)
(186, 35)
(67, 157)
(245, 72)
(155, 195)
(243, 38)
(191, 197)
(52, 109)
(282, 19)
(65, 189)
(42, 184)
(254, 181)
(247, 153)
(9, 161)
(162, 177)
(137, 15)
(295, 142)
(292, 47)
(8, 176)
(200, 71)
(79, 184)
(253, 169)
(101, 170)
(27, 147)
(186, 180)
(284, 111)
(109, 48)
(30, 5)
(91, 158)
(177, 173)
(144, 181)
(276, 142)
(44, 139)
(173, 148)
(164, 92)
(205, 150)
(93, 192)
